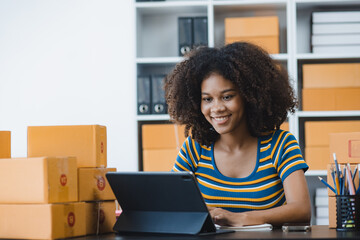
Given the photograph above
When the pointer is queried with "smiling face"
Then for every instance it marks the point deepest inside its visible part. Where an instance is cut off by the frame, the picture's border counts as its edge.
(222, 104)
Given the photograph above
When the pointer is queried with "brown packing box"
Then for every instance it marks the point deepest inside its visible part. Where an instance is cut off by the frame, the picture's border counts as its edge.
(86, 142)
(317, 133)
(161, 136)
(331, 75)
(5, 144)
(42, 221)
(332, 212)
(38, 180)
(263, 31)
(159, 159)
(100, 217)
(93, 184)
(346, 146)
(330, 179)
(317, 157)
(330, 99)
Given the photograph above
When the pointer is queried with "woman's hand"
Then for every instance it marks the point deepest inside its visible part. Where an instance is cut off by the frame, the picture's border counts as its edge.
(226, 218)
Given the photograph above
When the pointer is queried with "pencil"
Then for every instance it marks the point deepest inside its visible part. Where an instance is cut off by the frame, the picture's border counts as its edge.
(350, 182)
(336, 165)
(323, 181)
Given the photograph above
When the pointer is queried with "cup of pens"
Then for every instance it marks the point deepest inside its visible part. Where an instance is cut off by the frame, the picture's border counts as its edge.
(348, 213)
(345, 179)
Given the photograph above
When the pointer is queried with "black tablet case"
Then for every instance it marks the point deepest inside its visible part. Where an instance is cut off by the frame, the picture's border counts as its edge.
(160, 202)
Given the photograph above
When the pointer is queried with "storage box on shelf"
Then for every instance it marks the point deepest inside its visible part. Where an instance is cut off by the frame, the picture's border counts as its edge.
(317, 135)
(160, 146)
(5, 144)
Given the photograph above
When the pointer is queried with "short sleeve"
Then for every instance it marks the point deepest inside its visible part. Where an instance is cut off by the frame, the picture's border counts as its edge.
(288, 156)
(188, 156)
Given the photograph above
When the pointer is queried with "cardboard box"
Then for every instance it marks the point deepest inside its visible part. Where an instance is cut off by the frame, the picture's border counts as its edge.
(346, 146)
(262, 31)
(317, 133)
(332, 212)
(93, 185)
(86, 142)
(330, 180)
(42, 221)
(100, 217)
(38, 180)
(331, 75)
(317, 157)
(162, 136)
(159, 159)
(330, 99)
(5, 144)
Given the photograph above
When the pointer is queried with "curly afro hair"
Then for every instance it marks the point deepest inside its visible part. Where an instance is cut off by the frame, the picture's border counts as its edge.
(262, 82)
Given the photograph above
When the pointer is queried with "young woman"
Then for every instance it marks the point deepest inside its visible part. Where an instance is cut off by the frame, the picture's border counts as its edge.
(233, 101)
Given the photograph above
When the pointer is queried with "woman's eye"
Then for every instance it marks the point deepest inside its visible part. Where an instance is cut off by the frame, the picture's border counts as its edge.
(228, 97)
(207, 99)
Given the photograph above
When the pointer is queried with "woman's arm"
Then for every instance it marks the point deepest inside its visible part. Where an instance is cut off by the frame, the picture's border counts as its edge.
(297, 209)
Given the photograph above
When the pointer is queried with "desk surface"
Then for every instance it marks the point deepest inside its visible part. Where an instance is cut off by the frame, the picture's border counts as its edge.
(317, 232)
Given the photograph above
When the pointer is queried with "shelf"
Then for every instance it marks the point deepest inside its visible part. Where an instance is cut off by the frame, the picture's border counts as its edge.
(312, 56)
(154, 117)
(275, 4)
(169, 7)
(328, 113)
(154, 60)
(316, 173)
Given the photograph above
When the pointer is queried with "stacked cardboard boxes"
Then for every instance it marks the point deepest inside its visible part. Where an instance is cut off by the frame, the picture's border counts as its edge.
(71, 194)
(347, 149)
(262, 31)
(331, 86)
(161, 144)
(39, 197)
(317, 142)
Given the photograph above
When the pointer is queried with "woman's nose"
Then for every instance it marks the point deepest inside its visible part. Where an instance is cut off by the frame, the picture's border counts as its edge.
(218, 106)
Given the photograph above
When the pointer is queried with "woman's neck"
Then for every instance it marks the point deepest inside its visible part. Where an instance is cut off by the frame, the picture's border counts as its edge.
(236, 140)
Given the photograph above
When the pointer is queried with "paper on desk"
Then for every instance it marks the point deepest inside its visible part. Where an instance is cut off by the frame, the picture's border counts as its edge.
(260, 227)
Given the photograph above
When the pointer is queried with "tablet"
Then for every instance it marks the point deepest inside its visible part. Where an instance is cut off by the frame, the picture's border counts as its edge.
(160, 202)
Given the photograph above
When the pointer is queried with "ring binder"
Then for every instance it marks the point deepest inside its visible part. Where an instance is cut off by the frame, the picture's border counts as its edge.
(158, 95)
(143, 94)
(185, 25)
(200, 32)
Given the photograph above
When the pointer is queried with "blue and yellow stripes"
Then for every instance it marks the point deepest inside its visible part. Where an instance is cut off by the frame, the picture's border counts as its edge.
(278, 156)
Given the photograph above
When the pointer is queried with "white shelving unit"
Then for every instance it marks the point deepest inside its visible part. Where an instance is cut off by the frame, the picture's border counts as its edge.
(157, 40)
(157, 45)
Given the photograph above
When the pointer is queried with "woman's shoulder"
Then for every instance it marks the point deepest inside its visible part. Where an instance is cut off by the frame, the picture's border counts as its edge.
(276, 135)
(191, 141)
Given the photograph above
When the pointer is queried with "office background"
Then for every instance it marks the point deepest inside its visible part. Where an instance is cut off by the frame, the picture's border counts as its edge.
(69, 62)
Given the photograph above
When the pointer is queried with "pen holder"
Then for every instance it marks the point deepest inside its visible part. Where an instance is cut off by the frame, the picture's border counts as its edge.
(347, 213)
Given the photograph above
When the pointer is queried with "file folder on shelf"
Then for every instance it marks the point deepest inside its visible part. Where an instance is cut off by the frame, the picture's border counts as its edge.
(143, 94)
(185, 27)
(200, 31)
(158, 104)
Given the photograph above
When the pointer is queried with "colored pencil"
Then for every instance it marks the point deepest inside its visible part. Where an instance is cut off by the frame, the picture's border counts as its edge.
(326, 184)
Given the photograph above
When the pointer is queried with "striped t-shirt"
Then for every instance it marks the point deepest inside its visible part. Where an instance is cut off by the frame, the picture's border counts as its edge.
(278, 155)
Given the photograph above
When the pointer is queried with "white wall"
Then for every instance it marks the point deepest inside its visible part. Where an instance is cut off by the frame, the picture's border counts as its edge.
(69, 62)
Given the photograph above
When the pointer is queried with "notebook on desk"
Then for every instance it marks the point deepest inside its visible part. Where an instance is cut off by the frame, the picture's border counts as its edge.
(160, 202)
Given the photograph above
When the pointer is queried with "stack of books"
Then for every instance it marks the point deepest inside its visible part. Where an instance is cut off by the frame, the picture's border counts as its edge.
(336, 32)
(322, 206)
